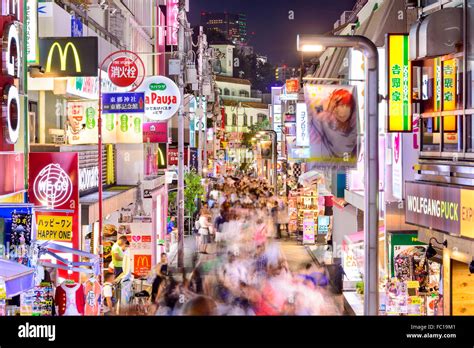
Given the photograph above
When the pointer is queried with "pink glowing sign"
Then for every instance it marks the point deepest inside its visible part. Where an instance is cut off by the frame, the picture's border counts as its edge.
(172, 9)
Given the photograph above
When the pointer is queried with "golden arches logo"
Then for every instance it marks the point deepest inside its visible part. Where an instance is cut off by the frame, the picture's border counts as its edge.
(162, 157)
(63, 56)
(142, 261)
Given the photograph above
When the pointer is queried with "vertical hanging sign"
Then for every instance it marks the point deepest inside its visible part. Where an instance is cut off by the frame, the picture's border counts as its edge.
(172, 10)
(399, 84)
(32, 31)
(302, 134)
(449, 94)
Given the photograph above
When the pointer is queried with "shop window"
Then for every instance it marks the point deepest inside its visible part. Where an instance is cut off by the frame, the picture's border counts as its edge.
(244, 93)
(234, 120)
(245, 120)
(452, 133)
(470, 133)
(226, 91)
(431, 135)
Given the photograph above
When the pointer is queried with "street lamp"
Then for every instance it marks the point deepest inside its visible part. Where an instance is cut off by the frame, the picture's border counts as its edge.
(316, 43)
(274, 156)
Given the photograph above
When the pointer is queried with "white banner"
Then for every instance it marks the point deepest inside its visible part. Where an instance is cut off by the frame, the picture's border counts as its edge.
(302, 134)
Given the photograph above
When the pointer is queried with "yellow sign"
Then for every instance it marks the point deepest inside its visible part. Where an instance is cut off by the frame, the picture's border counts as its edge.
(63, 56)
(467, 213)
(51, 227)
(413, 284)
(449, 94)
(399, 84)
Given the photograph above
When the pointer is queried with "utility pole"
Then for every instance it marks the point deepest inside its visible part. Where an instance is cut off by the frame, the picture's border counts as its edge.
(182, 58)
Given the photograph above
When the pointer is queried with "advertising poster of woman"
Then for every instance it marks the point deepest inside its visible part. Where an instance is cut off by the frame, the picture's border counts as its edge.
(332, 112)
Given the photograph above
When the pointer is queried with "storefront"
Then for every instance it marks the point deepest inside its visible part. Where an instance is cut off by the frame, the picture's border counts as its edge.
(443, 215)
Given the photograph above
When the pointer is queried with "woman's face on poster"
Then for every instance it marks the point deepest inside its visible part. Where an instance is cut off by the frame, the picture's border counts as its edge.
(342, 112)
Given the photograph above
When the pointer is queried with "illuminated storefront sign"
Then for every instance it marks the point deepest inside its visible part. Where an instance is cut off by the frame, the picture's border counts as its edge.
(54, 227)
(88, 178)
(302, 135)
(62, 57)
(52, 187)
(449, 94)
(292, 86)
(51, 179)
(172, 10)
(399, 84)
(443, 208)
(162, 98)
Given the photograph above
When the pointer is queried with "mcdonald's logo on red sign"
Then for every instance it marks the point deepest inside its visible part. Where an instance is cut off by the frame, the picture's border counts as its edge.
(142, 264)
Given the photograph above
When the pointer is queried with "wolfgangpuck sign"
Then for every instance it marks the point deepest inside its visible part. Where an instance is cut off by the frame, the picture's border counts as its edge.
(162, 98)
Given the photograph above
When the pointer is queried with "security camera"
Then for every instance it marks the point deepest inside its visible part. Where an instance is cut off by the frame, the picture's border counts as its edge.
(471, 266)
(102, 2)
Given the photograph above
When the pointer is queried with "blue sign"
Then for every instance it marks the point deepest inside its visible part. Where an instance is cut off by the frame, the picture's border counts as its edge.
(323, 224)
(76, 27)
(114, 103)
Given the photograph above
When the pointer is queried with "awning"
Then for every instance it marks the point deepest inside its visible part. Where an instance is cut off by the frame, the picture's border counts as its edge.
(18, 278)
(114, 198)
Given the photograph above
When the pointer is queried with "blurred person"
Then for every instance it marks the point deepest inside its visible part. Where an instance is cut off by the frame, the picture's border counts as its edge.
(117, 254)
(200, 306)
(108, 300)
(161, 272)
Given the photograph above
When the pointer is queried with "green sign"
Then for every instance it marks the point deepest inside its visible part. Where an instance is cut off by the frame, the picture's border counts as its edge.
(124, 123)
(90, 120)
(400, 239)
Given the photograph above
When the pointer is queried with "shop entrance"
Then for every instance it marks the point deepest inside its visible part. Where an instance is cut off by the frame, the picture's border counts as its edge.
(462, 289)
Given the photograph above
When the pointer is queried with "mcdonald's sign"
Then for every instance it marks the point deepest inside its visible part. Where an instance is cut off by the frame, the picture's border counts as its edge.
(69, 56)
(141, 264)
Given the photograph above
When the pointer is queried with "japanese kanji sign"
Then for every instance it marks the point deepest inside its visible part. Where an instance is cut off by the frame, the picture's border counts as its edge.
(113, 103)
(449, 94)
(123, 72)
(399, 84)
(54, 227)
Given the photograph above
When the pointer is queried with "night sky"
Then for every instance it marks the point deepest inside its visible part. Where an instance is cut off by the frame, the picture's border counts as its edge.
(275, 34)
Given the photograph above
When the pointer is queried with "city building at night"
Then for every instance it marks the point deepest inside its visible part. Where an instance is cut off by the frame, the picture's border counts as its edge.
(232, 26)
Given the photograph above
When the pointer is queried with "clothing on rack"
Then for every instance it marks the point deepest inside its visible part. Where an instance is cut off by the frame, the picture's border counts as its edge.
(92, 291)
(70, 299)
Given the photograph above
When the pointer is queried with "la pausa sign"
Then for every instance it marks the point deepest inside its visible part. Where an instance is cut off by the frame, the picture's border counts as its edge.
(443, 208)
(162, 98)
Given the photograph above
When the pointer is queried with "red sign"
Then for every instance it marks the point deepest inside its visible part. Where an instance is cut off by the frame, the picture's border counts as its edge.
(155, 132)
(123, 72)
(146, 239)
(12, 173)
(141, 264)
(173, 156)
(53, 181)
(292, 86)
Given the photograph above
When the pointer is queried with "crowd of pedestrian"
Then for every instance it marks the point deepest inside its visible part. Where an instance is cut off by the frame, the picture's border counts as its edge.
(241, 268)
